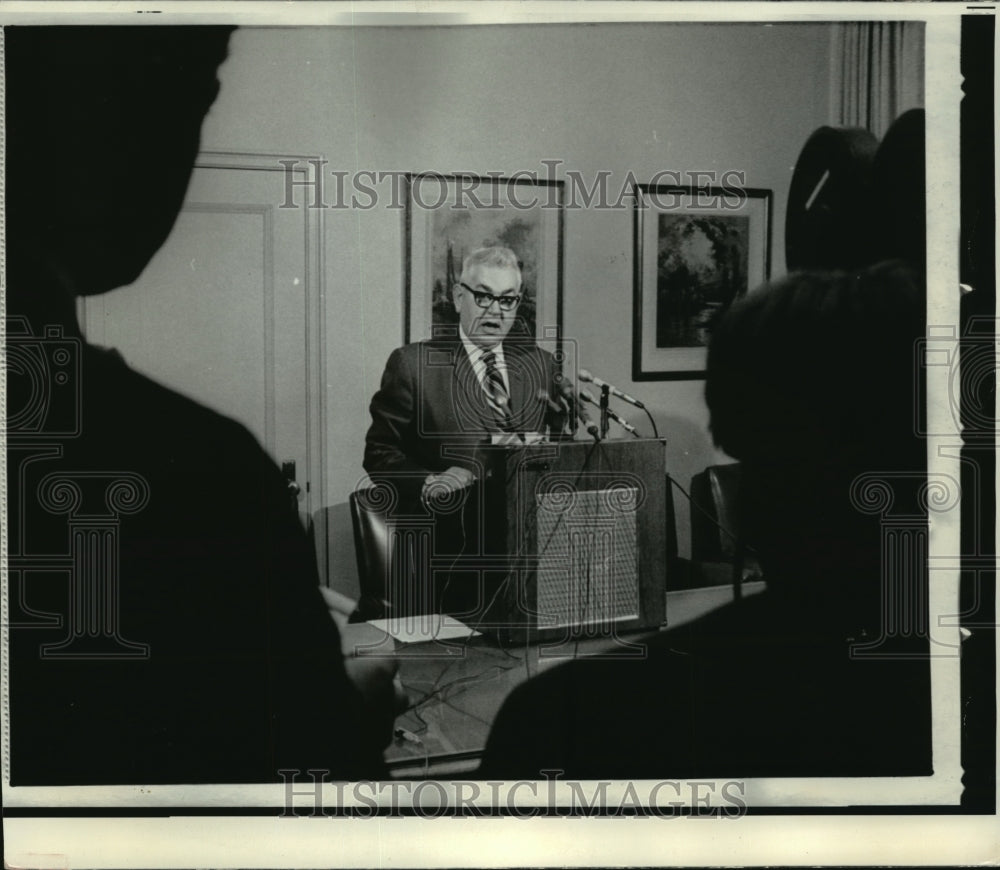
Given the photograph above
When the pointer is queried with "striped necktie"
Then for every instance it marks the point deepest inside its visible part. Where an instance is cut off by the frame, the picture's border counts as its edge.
(496, 392)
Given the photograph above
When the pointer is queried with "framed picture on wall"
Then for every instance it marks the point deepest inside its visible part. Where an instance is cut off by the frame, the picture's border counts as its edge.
(449, 216)
(697, 250)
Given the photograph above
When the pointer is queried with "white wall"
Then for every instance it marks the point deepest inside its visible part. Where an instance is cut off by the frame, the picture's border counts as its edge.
(643, 98)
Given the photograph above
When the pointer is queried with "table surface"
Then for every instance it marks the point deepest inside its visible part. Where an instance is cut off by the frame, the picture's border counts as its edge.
(455, 691)
(457, 687)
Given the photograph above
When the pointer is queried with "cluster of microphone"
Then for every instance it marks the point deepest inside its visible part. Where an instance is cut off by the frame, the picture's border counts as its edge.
(571, 403)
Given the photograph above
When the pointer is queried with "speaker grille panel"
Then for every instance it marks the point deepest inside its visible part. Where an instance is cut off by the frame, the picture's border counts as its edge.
(587, 557)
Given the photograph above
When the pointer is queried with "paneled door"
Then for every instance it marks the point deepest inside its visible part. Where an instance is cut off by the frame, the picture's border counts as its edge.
(229, 310)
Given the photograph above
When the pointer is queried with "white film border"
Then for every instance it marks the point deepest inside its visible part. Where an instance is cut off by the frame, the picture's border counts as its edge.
(191, 840)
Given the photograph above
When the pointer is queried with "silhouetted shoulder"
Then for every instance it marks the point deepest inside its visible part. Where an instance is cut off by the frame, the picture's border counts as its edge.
(242, 673)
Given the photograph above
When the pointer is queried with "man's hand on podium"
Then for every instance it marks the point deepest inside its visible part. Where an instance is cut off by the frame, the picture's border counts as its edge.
(442, 485)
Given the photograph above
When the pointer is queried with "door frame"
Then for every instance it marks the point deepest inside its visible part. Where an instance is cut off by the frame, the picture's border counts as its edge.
(304, 170)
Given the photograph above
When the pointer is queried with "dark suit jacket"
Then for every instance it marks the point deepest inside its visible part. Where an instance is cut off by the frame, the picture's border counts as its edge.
(431, 413)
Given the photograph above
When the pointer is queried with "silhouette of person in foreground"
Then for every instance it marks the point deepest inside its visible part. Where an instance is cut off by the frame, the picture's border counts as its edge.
(810, 383)
(166, 621)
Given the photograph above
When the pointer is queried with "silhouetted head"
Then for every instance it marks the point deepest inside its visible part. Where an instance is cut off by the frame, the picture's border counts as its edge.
(811, 382)
(103, 126)
(818, 362)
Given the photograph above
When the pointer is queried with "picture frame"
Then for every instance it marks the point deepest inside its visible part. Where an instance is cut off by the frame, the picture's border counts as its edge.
(697, 249)
(449, 216)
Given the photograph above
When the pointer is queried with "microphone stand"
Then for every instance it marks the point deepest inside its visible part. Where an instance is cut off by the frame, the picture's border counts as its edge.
(605, 421)
(570, 421)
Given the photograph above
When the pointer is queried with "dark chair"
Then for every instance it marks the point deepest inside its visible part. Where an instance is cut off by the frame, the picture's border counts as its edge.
(371, 549)
(393, 559)
(716, 527)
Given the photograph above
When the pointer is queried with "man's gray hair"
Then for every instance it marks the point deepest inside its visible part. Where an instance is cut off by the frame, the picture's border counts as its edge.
(499, 256)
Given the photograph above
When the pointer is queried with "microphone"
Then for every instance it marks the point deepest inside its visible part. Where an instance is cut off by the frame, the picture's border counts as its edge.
(543, 396)
(560, 412)
(597, 382)
(581, 412)
(621, 421)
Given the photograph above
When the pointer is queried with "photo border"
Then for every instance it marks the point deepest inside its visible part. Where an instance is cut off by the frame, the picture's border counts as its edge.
(52, 828)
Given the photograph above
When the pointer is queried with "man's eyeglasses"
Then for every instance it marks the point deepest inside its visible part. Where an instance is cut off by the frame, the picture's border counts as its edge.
(485, 300)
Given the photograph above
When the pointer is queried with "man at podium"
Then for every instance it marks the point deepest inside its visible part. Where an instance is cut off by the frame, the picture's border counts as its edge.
(480, 383)
(445, 403)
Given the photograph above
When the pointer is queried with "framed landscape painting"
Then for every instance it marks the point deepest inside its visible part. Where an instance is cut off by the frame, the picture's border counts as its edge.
(697, 250)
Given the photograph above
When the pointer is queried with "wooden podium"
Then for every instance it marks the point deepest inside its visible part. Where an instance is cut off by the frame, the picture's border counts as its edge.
(575, 532)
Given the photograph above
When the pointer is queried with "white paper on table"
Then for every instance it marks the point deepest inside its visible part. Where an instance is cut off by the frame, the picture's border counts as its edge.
(417, 629)
(505, 439)
(515, 439)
